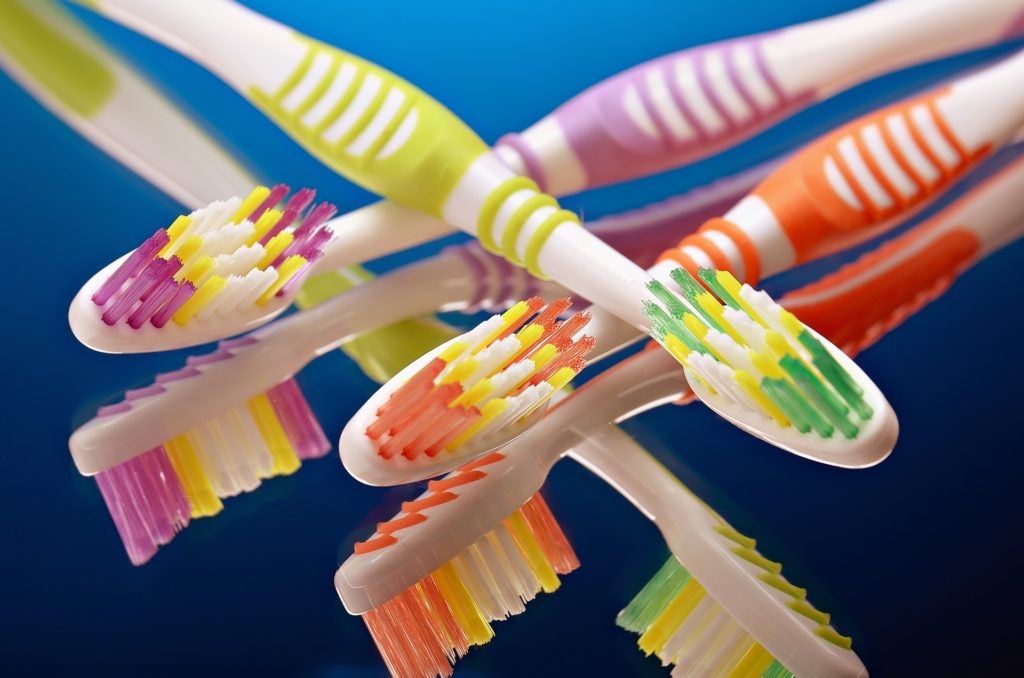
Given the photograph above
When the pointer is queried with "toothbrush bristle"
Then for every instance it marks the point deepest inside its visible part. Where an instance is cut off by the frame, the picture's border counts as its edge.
(222, 258)
(154, 495)
(422, 631)
(742, 346)
(680, 622)
(491, 377)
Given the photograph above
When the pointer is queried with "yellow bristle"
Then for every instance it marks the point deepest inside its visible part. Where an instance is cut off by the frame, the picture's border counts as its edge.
(196, 270)
(531, 550)
(274, 248)
(679, 350)
(461, 372)
(543, 355)
(670, 619)
(508, 318)
(201, 495)
(454, 350)
(715, 310)
(733, 287)
(766, 366)
(282, 453)
(189, 246)
(285, 272)
(474, 395)
(777, 343)
(174, 232)
(249, 205)
(753, 389)
(752, 664)
(563, 376)
(465, 611)
(207, 291)
(700, 330)
(263, 226)
(791, 323)
(487, 414)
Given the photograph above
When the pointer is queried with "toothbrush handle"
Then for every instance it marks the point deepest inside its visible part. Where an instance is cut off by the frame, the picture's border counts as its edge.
(690, 104)
(359, 119)
(661, 114)
(853, 183)
(860, 303)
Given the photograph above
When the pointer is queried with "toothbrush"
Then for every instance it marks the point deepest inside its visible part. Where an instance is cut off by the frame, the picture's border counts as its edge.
(860, 303)
(336, 105)
(472, 278)
(481, 542)
(685, 106)
(639, 234)
(805, 62)
(53, 57)
(90, 88)
(803, 210)
(171, 450)
(747, 358)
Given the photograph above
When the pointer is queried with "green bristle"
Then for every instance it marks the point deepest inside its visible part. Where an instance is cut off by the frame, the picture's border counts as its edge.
(691, 290)
(671, 302)
(792, 404)
(654, 597)
(837, 376)
(776, 670)
(662, 324)
(710, 278)
(819, 394)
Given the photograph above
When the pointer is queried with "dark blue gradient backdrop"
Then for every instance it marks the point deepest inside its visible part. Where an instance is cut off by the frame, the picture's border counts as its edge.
(917, 559)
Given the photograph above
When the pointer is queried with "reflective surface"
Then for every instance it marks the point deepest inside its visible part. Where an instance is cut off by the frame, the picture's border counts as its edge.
(916, 558)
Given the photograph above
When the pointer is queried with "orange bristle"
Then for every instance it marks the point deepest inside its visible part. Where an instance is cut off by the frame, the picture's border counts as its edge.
(534, 304)
(569, 357)
(569, 328)
(421, 632)
(550, 314)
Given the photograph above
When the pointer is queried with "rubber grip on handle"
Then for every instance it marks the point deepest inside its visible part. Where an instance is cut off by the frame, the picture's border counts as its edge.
(672, 110)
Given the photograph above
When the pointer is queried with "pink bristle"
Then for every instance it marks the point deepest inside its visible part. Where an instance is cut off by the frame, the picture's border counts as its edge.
(166, 272)
(184, 292)
(317, 216)
(176, 375)
(131, 267)
(292, 210)
(300, 424)
(276, 195)
(146, 501)
(116, 408)
(145, 392)
(159, 296)
(127, 298)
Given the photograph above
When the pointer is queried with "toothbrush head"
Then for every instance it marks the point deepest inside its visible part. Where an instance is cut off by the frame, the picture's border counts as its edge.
(468, 552)
(682, 622)
(759, 367)
(157, 468)
(467, 397)
(217, 272)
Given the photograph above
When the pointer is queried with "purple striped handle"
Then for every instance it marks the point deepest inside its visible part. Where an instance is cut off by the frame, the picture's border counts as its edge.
(691, 103)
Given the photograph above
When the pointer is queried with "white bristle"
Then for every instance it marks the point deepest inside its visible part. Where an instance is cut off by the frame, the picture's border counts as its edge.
(510, 377)
(490, 560)
(493, 357)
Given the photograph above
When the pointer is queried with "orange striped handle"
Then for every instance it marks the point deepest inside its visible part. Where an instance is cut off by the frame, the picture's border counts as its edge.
(843, 188)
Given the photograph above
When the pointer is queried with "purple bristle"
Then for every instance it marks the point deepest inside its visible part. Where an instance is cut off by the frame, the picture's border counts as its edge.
(276, 195)
(317, 216)
(237, 342)
(116, 408)
(177, 375)
(300, 424)
(184, 292)
(207, 358)
(144, 392)
(292, 210)
(316, 241)
(159, 296)
(131, 267)
(155, 272)
(146, 501)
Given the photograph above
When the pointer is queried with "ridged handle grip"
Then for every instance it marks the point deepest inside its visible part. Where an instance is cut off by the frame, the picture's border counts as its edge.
(373, 127)
(670, 111)
(842, 189)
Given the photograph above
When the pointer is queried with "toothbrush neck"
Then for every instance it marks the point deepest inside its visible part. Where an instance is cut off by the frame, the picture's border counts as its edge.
(832, 54)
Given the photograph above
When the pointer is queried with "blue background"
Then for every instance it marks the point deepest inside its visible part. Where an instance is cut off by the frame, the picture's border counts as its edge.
(916, 559)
